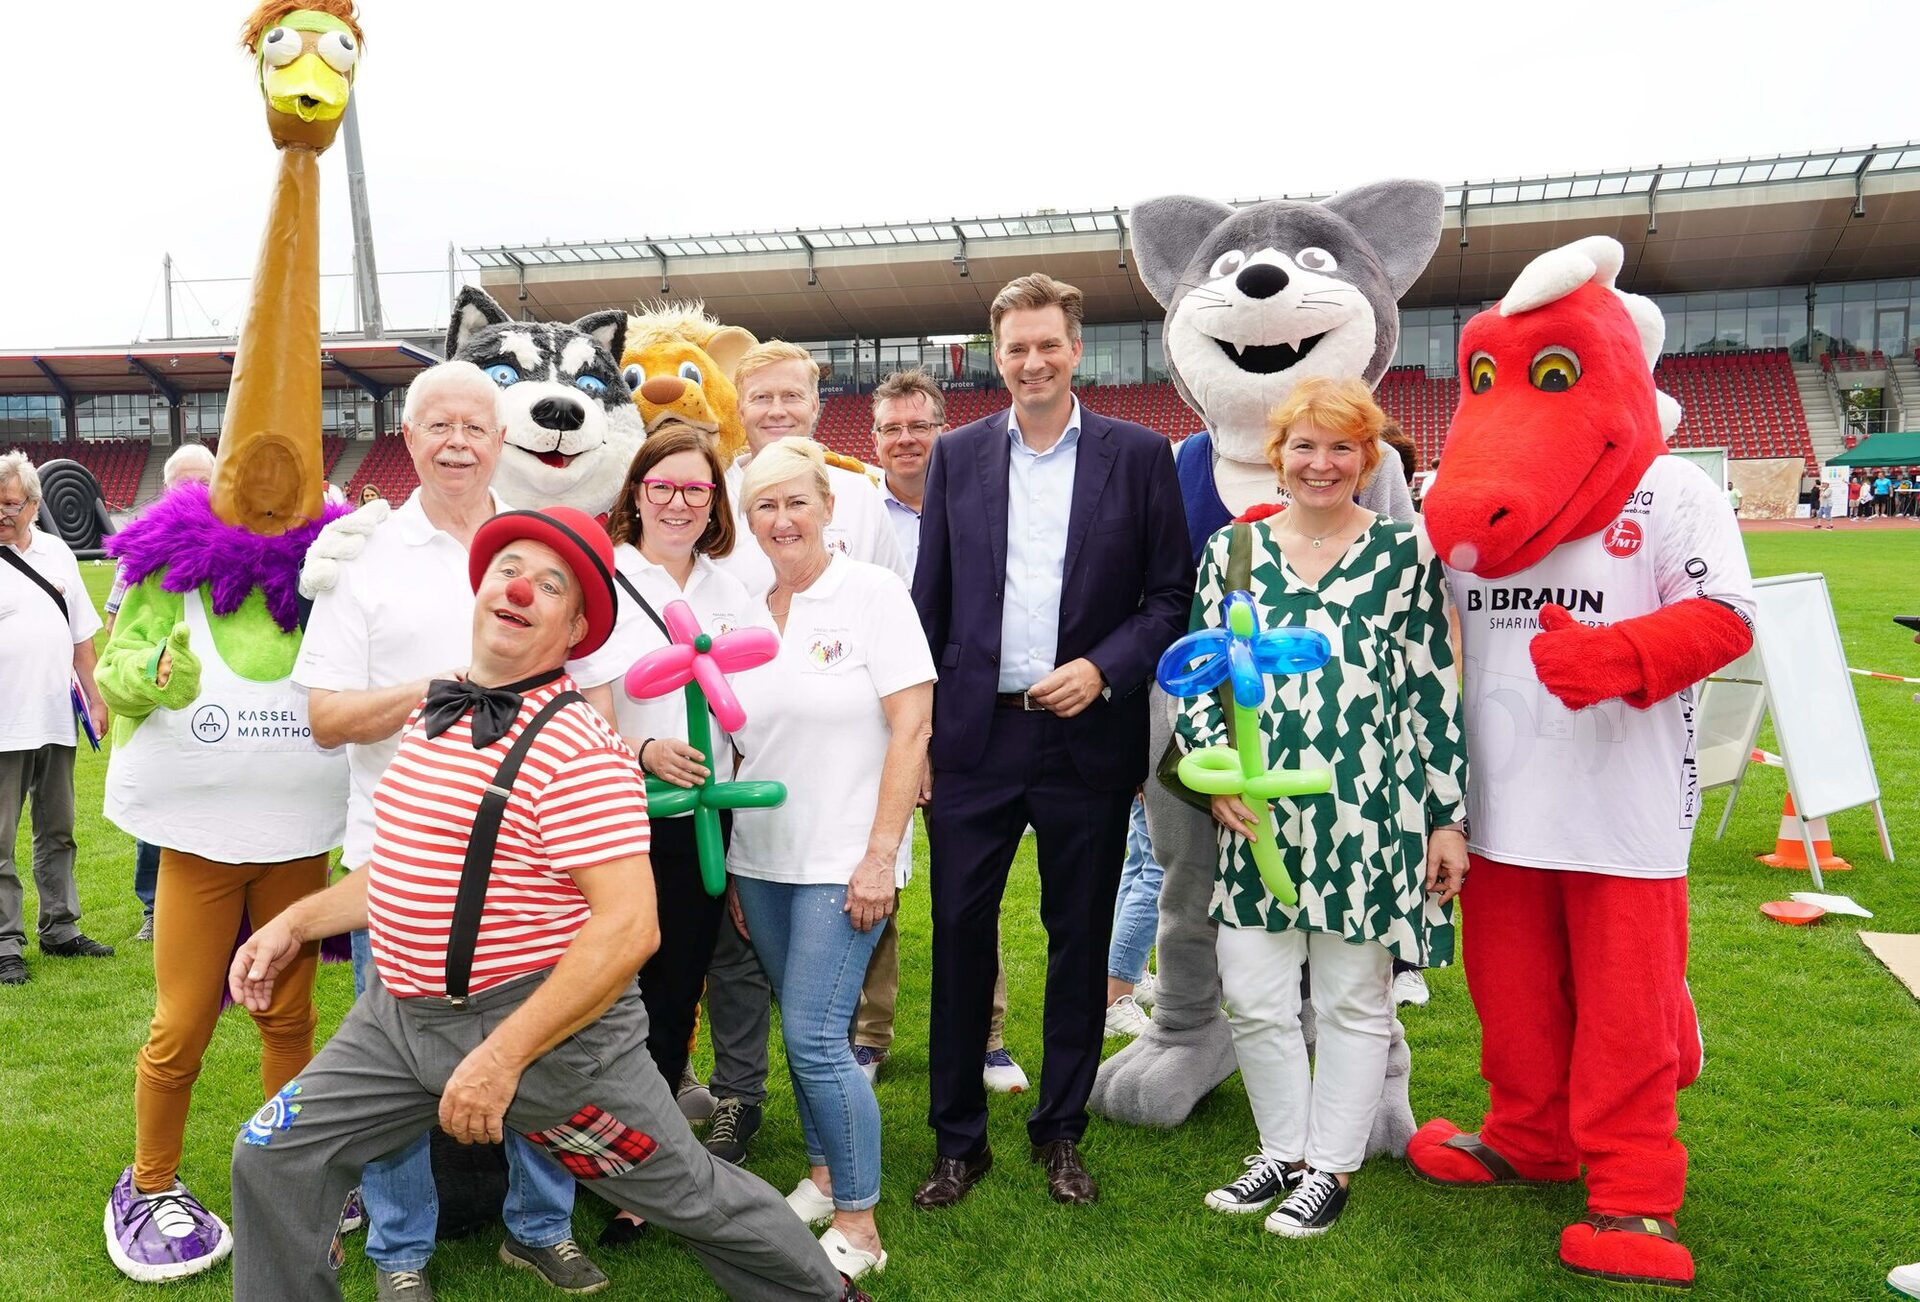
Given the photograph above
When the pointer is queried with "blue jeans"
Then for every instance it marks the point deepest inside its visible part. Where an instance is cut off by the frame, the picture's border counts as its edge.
(1136, 910)
(146, 873)
(817, 963)
(403, 1207)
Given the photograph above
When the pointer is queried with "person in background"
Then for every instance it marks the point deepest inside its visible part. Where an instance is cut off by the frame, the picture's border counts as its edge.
(909, 413)
(1136, 920)
(1823, 511)
(48, 644)
(371, 493)
(1882, 492)
(188, 463)
(1903, 492)
(779, 386)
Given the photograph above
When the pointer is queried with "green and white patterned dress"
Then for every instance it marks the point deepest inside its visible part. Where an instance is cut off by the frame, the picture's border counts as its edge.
(1383, 714)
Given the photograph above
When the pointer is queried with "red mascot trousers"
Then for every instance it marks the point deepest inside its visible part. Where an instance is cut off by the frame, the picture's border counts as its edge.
(1587, 1028)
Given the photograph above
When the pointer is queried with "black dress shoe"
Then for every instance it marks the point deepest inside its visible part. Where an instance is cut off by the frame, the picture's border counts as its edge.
(1067, 1177)
(78, 946)
(952, 1178)
(13, 971)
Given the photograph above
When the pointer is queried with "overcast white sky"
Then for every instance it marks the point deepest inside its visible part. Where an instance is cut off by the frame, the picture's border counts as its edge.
(133, 129)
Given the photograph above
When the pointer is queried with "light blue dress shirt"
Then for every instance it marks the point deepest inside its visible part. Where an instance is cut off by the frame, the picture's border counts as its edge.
(906, 526)
(1039, 505)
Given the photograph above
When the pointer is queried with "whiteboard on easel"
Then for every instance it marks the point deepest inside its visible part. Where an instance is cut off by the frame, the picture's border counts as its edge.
(1733, 704)
(1810, 694)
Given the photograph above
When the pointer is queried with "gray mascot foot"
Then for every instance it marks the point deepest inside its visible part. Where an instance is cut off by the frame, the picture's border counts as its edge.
(1159, 1078)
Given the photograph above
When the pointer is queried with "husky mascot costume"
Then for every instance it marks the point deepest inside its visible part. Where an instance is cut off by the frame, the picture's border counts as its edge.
(1257, 299)
(1596, 579)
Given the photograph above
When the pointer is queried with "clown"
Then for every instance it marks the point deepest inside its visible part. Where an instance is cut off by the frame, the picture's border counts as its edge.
(212, 758)
(1596, 579)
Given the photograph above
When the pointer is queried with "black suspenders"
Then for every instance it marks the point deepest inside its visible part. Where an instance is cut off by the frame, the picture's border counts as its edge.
(478, 868)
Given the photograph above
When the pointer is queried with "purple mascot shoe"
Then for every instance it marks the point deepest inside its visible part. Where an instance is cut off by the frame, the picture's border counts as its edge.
(153, 1238)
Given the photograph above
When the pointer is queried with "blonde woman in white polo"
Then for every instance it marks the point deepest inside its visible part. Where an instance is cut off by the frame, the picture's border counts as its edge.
(842, 716)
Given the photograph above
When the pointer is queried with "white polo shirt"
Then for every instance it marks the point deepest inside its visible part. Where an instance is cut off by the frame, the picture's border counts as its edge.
(36, 645)
(859, 529)
(402, 610)
(719, 602)
(815, 722)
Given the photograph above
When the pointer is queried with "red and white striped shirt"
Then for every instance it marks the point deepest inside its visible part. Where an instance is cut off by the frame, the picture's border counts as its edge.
(578, 801)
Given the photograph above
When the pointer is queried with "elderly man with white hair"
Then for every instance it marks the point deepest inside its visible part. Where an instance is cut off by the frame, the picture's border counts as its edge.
(190, 463)
(399, 614)
(50, 623)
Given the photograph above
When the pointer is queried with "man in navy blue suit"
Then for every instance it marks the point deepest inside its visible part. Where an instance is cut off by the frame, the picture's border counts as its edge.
(1053, 571)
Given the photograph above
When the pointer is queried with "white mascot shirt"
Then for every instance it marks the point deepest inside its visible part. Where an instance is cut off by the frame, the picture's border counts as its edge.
(1609, 789)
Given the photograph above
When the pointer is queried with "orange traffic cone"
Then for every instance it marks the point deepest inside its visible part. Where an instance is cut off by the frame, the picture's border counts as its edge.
(1790, 852)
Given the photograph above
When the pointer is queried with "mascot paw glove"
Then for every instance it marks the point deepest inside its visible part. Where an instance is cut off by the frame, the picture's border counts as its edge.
(343, 540)
(1582, 665)
(183, 682)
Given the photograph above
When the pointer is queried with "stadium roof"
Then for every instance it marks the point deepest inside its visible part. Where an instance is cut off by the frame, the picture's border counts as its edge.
(1851, 214)
(182, 366)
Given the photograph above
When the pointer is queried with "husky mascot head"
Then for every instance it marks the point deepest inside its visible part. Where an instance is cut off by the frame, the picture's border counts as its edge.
(572, 429)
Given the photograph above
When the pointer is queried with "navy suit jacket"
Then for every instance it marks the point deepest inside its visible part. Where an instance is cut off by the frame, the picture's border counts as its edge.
(1126, 594)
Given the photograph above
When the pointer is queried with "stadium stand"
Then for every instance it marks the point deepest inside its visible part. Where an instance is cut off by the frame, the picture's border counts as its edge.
(115, 463)
(389, 467)
(1873, 361)
(1743, 401)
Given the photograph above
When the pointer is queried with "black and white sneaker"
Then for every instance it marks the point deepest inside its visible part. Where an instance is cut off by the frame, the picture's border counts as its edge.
(1310, 1209)
(1267, 1178)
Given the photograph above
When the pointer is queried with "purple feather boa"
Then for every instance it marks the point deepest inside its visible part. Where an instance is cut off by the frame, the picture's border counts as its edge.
(180, 534)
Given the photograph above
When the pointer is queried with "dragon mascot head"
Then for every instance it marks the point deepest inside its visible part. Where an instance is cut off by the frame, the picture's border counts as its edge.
(1558, 417)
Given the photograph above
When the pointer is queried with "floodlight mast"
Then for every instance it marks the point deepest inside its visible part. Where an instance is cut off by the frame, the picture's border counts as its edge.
(366, 276)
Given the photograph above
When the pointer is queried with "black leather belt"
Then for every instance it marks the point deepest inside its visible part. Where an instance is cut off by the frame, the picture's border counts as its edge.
(1019, 701)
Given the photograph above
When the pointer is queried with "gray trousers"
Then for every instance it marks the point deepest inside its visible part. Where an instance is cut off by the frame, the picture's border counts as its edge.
(595, 1103)
(739, 1018)
(44, 777)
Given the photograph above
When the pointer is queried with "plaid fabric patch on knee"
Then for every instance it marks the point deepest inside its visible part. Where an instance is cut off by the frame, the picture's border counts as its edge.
(592, 1144)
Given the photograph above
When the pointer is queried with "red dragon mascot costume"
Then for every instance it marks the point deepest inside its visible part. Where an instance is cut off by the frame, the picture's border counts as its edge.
(1596, 580)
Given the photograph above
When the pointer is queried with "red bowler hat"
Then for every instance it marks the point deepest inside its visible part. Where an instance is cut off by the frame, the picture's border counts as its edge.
(580, 541)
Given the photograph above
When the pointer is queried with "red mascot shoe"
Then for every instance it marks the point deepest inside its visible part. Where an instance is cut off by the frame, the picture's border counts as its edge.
(1441, 1153)
(1627, 1250)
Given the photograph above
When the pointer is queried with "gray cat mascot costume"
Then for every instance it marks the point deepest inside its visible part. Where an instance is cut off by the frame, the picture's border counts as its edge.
(1257, 299)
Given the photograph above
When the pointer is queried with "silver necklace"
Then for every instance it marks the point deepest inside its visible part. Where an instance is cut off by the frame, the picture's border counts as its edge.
(1329, 533)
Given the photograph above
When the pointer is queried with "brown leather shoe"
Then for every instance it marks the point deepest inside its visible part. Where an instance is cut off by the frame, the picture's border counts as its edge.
(951, 1180)
(1067, 1177)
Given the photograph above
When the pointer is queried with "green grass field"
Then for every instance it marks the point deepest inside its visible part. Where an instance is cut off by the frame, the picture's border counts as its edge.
(1805, 1128)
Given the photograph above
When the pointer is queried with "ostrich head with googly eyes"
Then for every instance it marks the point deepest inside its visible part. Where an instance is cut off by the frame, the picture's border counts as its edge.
(306, 54)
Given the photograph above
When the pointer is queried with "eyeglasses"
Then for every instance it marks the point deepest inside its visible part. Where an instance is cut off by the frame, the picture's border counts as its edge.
(11, 510)
(919, 429)
(695, 493)
(475, 433)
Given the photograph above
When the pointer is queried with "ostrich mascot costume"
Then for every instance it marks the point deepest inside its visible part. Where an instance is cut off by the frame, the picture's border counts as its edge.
(212, 758)
(1597, 579)
(1257, 299)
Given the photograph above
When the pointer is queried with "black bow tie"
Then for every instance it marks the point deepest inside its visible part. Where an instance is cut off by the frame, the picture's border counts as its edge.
(493, 708)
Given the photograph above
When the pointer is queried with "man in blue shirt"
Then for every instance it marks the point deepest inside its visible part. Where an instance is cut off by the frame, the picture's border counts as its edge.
(1882, 493)
(1053, 571)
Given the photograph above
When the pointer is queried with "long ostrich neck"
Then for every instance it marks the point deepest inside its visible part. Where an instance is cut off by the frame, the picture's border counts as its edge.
(270, 475)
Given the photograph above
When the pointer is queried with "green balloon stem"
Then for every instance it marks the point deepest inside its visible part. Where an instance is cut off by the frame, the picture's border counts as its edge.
(1266, 844)
(704, 802)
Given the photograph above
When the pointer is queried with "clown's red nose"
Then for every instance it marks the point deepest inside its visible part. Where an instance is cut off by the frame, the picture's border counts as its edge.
(520, 592)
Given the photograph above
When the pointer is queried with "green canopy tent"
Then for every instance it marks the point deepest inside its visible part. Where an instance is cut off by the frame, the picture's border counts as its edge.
(1882, 450)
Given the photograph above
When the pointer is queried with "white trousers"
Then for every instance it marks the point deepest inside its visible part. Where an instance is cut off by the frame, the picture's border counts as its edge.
(1324, 1116)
